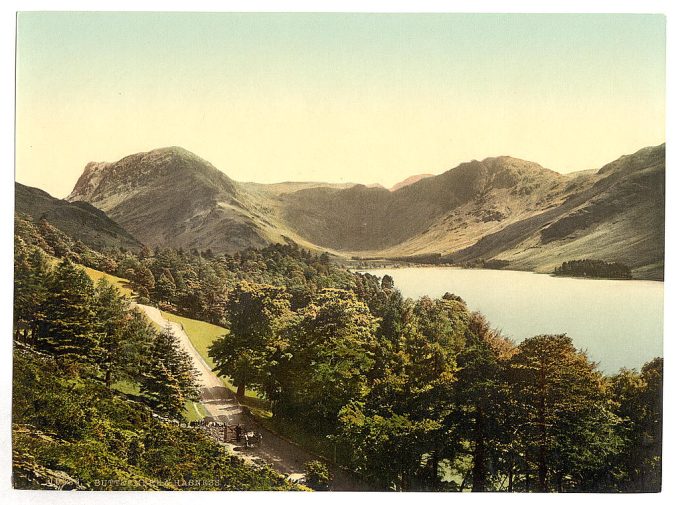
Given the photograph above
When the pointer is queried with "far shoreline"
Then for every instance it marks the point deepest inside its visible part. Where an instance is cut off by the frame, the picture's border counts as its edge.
(458, 267)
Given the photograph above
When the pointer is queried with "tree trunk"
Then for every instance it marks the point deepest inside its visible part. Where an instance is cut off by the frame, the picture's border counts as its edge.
(542, 456)
(526, 471)
(241, 390)
(107, 380)
(510, 476)
(435, 471)
(479, 456)
(462, 484)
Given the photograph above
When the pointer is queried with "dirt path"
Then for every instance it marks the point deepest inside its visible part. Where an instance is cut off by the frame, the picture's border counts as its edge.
(222, 405)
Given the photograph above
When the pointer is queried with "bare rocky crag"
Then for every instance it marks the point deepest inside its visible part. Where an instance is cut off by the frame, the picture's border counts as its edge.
(502, 208)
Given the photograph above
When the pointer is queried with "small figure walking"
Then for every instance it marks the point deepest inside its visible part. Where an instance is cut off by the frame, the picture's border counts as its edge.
(238, 431)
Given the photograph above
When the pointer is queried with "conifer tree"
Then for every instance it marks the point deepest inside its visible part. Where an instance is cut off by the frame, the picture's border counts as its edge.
(169, 379)
(566, 428)
(68, 325)
(31, 275)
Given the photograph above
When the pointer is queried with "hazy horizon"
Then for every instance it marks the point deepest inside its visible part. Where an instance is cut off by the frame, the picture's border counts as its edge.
(363, 98)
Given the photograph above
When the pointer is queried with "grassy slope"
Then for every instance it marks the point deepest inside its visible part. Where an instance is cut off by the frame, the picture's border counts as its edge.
(200, 333)
(122, 284)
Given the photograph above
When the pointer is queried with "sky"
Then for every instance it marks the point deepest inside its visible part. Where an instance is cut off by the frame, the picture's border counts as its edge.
(334, 97)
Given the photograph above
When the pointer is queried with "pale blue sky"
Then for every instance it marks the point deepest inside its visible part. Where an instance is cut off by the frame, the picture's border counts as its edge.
(337, 97)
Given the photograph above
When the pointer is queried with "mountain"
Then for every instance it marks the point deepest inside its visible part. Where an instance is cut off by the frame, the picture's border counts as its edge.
(618, 216)
(171, 197)
(409, 180)
(501, 210)
(79, 220)
(434, 215)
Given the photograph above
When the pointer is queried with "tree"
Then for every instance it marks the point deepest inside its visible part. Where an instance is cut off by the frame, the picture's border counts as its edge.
(566, 429)
(637, 398)
(480, 396)
(387, 282)
(169, 380)
(386, 448)
(126, 335)
(165, 287)
(68, 325)
(31, 275)
(330, 350)
(111, 312)
(256, 314)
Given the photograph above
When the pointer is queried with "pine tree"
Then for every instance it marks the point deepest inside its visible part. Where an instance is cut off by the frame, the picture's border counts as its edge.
(169, 379)
(31, 275)
(126, 334)
(565, 426)
(68, 325)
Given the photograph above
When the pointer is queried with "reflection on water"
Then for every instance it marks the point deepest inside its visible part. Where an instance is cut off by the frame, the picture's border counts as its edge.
(619, 323)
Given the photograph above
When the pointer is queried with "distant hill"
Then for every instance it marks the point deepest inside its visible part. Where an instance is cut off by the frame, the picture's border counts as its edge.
(499, 208)
(79, 220)
(409, 180)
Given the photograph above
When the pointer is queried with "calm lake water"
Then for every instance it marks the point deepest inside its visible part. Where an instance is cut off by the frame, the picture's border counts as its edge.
(618, 323)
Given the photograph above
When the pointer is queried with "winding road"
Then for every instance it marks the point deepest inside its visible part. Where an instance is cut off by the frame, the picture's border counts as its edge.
(222, 405)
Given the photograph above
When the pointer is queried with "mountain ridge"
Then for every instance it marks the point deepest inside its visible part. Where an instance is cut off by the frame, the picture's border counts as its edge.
(499, 208)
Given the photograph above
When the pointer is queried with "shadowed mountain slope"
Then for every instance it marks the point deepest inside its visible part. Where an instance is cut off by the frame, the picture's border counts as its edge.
(79, 220)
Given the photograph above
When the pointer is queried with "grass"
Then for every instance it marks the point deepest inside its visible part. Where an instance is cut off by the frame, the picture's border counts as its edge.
(194, 411)
(200, 333)
(123, 285)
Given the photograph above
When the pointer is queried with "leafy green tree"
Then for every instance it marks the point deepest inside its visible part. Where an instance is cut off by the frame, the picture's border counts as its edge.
(478, 420)
(317, 475)
(256, 314)
(330, 350)
(386, 448)
(165, 288)
(387, 282)
(637, 398)
(433, 336)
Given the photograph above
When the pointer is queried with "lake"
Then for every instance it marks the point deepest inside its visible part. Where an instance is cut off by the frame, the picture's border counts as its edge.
(618, 323)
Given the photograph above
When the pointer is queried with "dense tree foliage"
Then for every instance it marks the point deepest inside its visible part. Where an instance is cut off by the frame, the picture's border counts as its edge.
(60, 311)
(594, 268)
(169, 379)
(73, 433)
(415, 394)
(256, 314)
